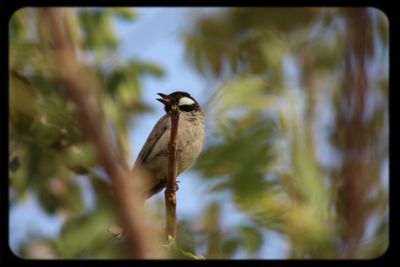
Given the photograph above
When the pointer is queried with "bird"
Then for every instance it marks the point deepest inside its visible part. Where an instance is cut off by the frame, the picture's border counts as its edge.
(153, 157)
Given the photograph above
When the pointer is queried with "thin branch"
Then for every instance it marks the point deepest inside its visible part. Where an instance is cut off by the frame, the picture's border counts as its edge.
(170, 191)
(81, 89)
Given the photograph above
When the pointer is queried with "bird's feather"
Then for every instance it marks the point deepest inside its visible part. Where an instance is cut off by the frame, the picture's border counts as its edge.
(162, 125)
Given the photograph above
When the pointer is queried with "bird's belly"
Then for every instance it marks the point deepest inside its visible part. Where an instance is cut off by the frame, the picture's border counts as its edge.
(187, 153)
(185, 157)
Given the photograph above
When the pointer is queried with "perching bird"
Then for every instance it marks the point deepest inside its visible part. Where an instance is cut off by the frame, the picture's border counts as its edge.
(153, 156)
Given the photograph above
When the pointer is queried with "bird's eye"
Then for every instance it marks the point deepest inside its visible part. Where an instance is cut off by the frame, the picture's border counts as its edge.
(185, 101)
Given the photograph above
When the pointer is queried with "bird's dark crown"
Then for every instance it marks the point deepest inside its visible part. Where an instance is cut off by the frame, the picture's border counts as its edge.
(174, 99)
(180, 94)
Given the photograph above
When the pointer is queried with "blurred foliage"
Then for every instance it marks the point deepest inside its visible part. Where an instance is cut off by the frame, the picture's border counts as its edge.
(46, 147)
(291, 77)
(246, 179)
(281, 69)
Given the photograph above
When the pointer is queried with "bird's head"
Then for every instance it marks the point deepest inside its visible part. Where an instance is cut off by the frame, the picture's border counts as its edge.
(179, 99)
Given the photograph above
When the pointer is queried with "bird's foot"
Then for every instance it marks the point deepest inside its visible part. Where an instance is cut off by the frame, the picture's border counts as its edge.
(176, 186)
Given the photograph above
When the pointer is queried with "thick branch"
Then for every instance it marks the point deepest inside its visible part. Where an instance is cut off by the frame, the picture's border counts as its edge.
(353, 171)
(80, 87)
(170, 191)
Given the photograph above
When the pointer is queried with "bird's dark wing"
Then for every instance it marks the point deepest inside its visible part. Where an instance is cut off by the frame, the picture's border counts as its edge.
(162, 125)
(157, 188)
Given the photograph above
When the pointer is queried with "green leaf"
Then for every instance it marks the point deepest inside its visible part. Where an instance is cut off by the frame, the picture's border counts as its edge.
(229, 246)
(124, 13)
(190, 255)
(248, 93)
(104, 192)
(149, 68)
(95, 22)
(18, 25)
(252, 238)
(81, 237)
(80, 157)
(19, 178)
(178, 253)
(61, 195)
(383, 27)
(14, 164)
(23, 102)
(251, 137)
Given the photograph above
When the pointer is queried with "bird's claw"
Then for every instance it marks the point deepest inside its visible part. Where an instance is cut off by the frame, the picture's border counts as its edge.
(176, 186)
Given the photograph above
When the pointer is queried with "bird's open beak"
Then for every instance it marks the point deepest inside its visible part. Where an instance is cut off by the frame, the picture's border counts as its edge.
(166, 99)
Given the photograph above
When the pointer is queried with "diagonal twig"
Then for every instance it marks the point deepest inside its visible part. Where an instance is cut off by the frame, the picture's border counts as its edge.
(82, 91)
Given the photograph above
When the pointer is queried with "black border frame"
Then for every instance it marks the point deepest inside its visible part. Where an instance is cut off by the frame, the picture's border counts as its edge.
(8, 258)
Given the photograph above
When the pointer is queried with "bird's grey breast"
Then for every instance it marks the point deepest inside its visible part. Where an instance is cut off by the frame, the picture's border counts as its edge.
(190, 138)
(190, 142)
